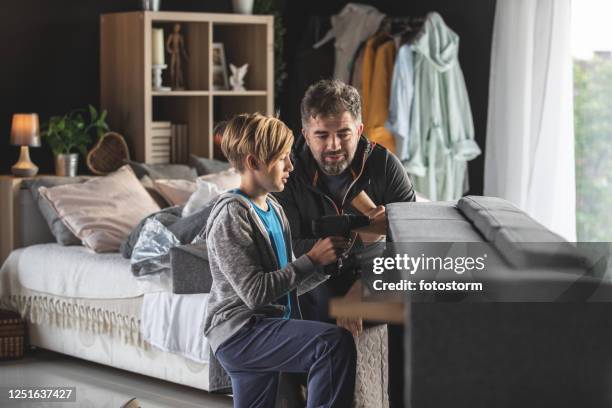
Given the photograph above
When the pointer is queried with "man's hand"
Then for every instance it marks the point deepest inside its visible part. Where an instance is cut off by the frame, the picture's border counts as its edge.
(354, 325)
(378, 225)
(377, 212)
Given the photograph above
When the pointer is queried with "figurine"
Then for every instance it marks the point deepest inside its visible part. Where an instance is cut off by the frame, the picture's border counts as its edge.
(175, 46)
(237, 78)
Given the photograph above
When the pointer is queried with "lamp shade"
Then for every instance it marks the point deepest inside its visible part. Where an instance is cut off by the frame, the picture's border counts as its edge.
(25, 129)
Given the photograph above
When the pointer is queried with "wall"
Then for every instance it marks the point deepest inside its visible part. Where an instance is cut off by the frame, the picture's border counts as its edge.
(50, 54)
(51, 64)
(472, 21)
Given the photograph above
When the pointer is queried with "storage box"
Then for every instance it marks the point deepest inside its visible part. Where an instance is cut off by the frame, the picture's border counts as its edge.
(12, 335)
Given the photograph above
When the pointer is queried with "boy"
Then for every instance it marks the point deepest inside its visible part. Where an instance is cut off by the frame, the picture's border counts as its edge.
(252, 322)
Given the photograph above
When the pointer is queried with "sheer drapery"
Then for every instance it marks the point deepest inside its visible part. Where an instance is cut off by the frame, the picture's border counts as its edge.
(530, 136)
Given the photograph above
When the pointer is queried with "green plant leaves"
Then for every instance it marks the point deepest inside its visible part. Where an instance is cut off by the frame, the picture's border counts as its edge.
(72, 132)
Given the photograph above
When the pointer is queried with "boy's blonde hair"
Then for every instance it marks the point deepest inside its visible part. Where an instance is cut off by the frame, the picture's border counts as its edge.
(265, 137)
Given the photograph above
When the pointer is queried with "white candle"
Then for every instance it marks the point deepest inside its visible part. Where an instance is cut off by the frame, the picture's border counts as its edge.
(158, 46)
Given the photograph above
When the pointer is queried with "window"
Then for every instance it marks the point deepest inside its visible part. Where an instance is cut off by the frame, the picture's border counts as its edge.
(592, 52)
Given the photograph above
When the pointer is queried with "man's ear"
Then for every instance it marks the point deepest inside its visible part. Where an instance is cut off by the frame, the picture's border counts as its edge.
(304, 133)
(360, 129)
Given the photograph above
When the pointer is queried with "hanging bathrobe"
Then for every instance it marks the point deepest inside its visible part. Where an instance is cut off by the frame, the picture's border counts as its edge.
(400, 101)
(441, 138)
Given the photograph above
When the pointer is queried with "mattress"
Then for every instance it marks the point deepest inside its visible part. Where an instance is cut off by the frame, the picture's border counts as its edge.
(75, 271)
(109, 350)
(75, 287)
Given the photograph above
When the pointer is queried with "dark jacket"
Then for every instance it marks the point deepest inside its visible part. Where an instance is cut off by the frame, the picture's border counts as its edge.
(375, 170)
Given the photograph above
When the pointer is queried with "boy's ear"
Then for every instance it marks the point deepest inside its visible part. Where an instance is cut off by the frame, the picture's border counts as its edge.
(251, 162)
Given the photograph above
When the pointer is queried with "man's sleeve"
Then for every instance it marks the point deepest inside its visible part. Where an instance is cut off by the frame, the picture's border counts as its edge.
(399, 187)
(286, 199)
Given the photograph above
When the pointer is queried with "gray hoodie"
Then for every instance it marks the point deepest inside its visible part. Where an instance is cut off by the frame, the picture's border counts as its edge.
(245, 272)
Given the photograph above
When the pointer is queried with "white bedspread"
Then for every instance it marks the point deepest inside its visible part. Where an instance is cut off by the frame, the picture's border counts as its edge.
(75, 271)
(175, 323)
(169, 322)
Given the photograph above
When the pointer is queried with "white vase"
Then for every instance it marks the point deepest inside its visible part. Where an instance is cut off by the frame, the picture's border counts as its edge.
(243, 6)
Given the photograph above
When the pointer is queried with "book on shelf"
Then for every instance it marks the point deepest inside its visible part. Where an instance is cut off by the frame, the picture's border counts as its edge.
(179, 152)
(161, 137)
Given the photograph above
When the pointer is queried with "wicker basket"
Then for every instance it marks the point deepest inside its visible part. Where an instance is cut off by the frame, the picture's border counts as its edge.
(108, 154)
(12, 335)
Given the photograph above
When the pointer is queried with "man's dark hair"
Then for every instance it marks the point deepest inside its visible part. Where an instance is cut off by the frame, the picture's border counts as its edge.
(330, 97)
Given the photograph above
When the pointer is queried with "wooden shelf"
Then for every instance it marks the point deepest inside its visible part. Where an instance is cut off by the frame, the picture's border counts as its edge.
(125, 74)
(239, 93)
(180, 93)
(206, 93)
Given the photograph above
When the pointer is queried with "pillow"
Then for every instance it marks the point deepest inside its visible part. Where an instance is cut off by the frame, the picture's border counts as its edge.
(207, 166)
(149, 185)
(163, 171)
(176, 192)
(225, 180)
(102, 211)
(205, 192)
(188, 228)
(62, 234)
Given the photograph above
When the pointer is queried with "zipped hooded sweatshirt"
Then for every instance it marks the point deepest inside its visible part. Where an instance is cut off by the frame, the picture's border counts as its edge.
(246, 277)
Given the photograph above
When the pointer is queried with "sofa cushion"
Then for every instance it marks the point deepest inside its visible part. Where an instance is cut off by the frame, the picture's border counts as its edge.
(176, 191)
(522, 241)
(102, 211)
(204, 193)
(163, 171)
(190, 269)
(225, 180)
(149, 185)
(205, 166)
(60, 231)
(438, 221)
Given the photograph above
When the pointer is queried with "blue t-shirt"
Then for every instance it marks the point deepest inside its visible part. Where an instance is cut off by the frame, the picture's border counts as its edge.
(272, 223)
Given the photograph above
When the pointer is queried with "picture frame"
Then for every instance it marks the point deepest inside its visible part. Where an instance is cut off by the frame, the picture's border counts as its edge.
(220, 80)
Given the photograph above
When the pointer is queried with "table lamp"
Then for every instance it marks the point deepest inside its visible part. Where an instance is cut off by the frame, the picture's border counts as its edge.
(24, 133)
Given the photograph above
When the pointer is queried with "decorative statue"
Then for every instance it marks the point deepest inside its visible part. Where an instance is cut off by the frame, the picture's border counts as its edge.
(237, 78)
(176, 48)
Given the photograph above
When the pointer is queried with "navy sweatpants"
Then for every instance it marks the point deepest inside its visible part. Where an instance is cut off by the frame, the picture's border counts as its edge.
(262, 348)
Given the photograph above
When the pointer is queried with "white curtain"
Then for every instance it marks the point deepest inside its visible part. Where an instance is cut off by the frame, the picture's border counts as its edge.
(530, 131)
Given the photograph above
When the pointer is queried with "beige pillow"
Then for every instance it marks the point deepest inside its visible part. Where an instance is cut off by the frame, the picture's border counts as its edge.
(102, 211)
(225, 180)
(175, 191)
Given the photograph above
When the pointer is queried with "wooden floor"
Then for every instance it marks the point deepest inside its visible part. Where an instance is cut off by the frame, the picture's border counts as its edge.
(98, 385)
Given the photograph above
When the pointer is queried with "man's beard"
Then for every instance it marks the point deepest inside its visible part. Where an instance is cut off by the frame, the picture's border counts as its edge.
(337, 167)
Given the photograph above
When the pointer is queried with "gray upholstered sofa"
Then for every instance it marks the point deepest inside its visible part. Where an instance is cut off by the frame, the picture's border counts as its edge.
(542, 338)
(553, 349)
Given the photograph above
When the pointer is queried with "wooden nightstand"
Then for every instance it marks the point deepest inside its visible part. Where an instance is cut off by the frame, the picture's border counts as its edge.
(9, 207)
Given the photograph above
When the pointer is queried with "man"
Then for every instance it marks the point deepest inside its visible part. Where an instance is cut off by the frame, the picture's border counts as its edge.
(333, 163)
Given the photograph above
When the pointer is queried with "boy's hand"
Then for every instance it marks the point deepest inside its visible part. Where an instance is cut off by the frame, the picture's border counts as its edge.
(327, 250)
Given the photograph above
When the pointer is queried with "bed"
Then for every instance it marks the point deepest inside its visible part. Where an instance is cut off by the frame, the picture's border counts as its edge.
(89, 305)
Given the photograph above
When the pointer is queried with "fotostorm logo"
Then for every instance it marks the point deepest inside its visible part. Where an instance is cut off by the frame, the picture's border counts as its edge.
(414, 264)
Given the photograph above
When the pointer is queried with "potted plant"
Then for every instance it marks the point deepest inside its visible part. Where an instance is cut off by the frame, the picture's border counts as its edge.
(69, 134)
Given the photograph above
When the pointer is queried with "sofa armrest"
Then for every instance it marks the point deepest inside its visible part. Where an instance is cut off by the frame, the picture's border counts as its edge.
(190, 269)
(520, 239)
